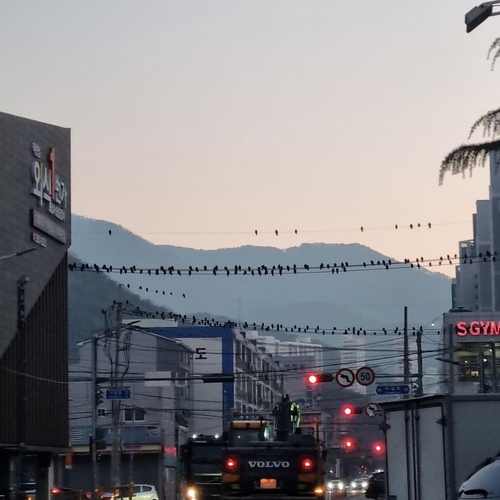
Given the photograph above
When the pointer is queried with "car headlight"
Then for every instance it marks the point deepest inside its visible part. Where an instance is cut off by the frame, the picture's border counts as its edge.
(341, 486)
(329, 485)
(191, 493)
(364, 484)
(353, 484)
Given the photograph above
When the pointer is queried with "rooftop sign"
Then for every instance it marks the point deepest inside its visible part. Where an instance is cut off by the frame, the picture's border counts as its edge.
(478, 329)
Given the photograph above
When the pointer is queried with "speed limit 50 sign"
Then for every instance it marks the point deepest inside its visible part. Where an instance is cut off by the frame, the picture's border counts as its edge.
(365, 376)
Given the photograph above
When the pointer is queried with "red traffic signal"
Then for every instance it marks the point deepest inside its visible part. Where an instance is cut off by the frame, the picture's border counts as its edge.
(319, 378)
(349, 444)
(349, 410)
(378, 448)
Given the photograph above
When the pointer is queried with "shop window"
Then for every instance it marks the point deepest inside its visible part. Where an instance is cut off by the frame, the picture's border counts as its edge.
(477, 364)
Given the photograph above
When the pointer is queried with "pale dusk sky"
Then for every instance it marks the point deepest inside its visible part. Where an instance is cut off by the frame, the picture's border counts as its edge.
(208, 117)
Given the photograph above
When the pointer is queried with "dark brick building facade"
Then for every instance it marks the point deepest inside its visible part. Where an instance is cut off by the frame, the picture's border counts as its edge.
(35, 216)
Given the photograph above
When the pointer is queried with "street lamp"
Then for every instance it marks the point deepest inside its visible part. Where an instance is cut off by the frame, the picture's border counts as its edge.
(479, 14)
(17, 254)
(450, 361)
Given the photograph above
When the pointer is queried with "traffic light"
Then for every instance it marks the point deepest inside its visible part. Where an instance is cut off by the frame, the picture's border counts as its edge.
(378, 448)
(349, 410)
(319, 378)
(99, 395)
(349, 444)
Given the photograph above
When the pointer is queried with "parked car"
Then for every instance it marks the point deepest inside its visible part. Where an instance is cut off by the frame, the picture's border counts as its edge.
(359, 484)
(27, 490)
(61, 493)
(139, 492)
(145, 492)
(376, 486)
(336, 488)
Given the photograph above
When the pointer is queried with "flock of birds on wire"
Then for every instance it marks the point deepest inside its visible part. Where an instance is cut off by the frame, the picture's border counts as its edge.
(289, 268)
(193, 320)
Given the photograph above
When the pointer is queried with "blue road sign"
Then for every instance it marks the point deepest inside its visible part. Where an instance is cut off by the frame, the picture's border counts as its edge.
(118, 394)
(393, 389)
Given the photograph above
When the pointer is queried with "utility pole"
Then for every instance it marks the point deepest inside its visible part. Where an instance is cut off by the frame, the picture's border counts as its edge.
(406, 354)
(93, 444)
(420, 374)
(132, 439)
(115, 404)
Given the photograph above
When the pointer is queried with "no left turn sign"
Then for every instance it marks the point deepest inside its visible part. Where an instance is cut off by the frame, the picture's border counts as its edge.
(345, 377)
(372, 409)
(365, 376)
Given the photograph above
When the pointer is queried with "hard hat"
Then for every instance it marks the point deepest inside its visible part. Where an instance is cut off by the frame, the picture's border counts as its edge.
(484, 483)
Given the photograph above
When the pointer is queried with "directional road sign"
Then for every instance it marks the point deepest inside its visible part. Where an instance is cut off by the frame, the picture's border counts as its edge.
(118, 394)
(365, 376)
(345, 377)
(393, 389)
(372, 409)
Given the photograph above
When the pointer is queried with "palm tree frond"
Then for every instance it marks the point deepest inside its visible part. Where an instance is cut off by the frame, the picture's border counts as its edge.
(494, 60)
(494, 45)
(490, 123)
(466, 157)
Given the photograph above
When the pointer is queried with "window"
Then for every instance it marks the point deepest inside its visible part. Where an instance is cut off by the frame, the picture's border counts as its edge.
(134, 414)
(479, 363)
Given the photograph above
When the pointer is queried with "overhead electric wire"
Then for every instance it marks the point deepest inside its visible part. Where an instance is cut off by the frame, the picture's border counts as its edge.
(289, 269)
(276, 232)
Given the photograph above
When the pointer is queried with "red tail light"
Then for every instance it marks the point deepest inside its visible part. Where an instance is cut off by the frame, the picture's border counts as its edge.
(231, 464)
(55, 491)
(306, 463)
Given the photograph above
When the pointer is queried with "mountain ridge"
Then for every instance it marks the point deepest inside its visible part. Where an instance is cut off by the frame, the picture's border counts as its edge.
(367, 300)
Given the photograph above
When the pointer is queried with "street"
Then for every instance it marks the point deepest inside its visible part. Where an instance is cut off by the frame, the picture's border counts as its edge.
(350, 496)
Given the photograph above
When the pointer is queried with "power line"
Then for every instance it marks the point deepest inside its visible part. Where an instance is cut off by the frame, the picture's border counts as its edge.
(277, 232)
(289, 269)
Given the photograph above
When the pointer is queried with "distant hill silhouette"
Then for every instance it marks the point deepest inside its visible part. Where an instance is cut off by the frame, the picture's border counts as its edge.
(88, 295)
(369, 299)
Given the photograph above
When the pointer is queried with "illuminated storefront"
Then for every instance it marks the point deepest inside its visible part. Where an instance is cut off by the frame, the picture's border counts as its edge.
(471, 350)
